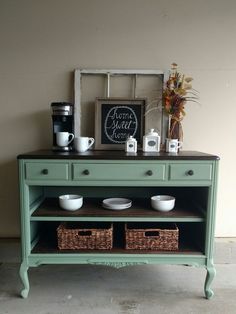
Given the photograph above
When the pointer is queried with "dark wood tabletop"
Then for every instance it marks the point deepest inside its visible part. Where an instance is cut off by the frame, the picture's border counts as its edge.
(117, 155)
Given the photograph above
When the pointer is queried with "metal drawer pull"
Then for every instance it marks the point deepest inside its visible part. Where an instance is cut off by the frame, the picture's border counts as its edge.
(149, 173)
(190, 172)
(44, 171)
(86, 172)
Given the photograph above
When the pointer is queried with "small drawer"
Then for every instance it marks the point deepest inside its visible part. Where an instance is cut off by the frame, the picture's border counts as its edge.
(118, 172)
(46, 171)
(190, 172)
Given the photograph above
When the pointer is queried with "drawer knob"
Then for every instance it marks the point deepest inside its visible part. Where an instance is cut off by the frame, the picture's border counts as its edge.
(45, 171)
(149, 173)
(190, 173)
(86, 172)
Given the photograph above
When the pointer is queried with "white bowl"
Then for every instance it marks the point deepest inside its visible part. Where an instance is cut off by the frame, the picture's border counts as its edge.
(163, 203)
(70, 201)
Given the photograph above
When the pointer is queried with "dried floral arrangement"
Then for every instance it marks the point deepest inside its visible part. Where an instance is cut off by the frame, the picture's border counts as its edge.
(176, 93)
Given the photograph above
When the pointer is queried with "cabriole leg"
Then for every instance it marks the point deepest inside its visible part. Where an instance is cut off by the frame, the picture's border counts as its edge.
(211, 272)
(25, 280)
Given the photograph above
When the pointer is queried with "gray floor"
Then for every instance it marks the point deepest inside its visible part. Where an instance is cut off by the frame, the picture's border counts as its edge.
(85, 289)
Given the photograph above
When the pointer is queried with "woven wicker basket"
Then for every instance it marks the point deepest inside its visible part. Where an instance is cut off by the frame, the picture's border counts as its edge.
(151, 237)
(85, 236)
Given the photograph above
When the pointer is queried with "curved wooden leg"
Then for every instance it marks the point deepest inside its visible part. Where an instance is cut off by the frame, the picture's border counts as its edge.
(25, 280)
(211, 272)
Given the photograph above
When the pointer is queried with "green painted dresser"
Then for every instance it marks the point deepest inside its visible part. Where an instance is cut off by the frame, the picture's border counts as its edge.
(189, 176)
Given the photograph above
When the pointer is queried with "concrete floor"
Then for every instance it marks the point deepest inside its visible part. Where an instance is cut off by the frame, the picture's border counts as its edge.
(85, 289)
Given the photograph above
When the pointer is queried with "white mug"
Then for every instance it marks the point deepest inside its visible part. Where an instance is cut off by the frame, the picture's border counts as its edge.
(83, 143)
(64, 138)
(173, 145)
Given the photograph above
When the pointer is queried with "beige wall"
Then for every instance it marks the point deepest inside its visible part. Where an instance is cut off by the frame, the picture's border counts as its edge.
(42, 42)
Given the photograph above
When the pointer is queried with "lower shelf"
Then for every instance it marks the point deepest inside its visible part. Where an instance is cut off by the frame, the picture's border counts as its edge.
(46, 247)
(191, 241)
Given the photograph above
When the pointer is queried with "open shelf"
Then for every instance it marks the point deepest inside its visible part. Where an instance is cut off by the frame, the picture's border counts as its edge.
(92, 210)
(50, 247)
(191, 239)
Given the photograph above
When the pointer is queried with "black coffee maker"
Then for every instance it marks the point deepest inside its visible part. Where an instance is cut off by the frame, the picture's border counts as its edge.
(62, 121)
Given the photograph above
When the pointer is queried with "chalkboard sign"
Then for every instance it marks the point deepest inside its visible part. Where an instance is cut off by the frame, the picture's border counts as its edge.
(116, 119)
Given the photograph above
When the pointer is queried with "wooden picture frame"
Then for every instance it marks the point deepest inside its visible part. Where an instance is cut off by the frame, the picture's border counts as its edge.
(116, 119)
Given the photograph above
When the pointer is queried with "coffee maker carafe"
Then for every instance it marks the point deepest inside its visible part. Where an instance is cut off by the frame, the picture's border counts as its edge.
(62, 121)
